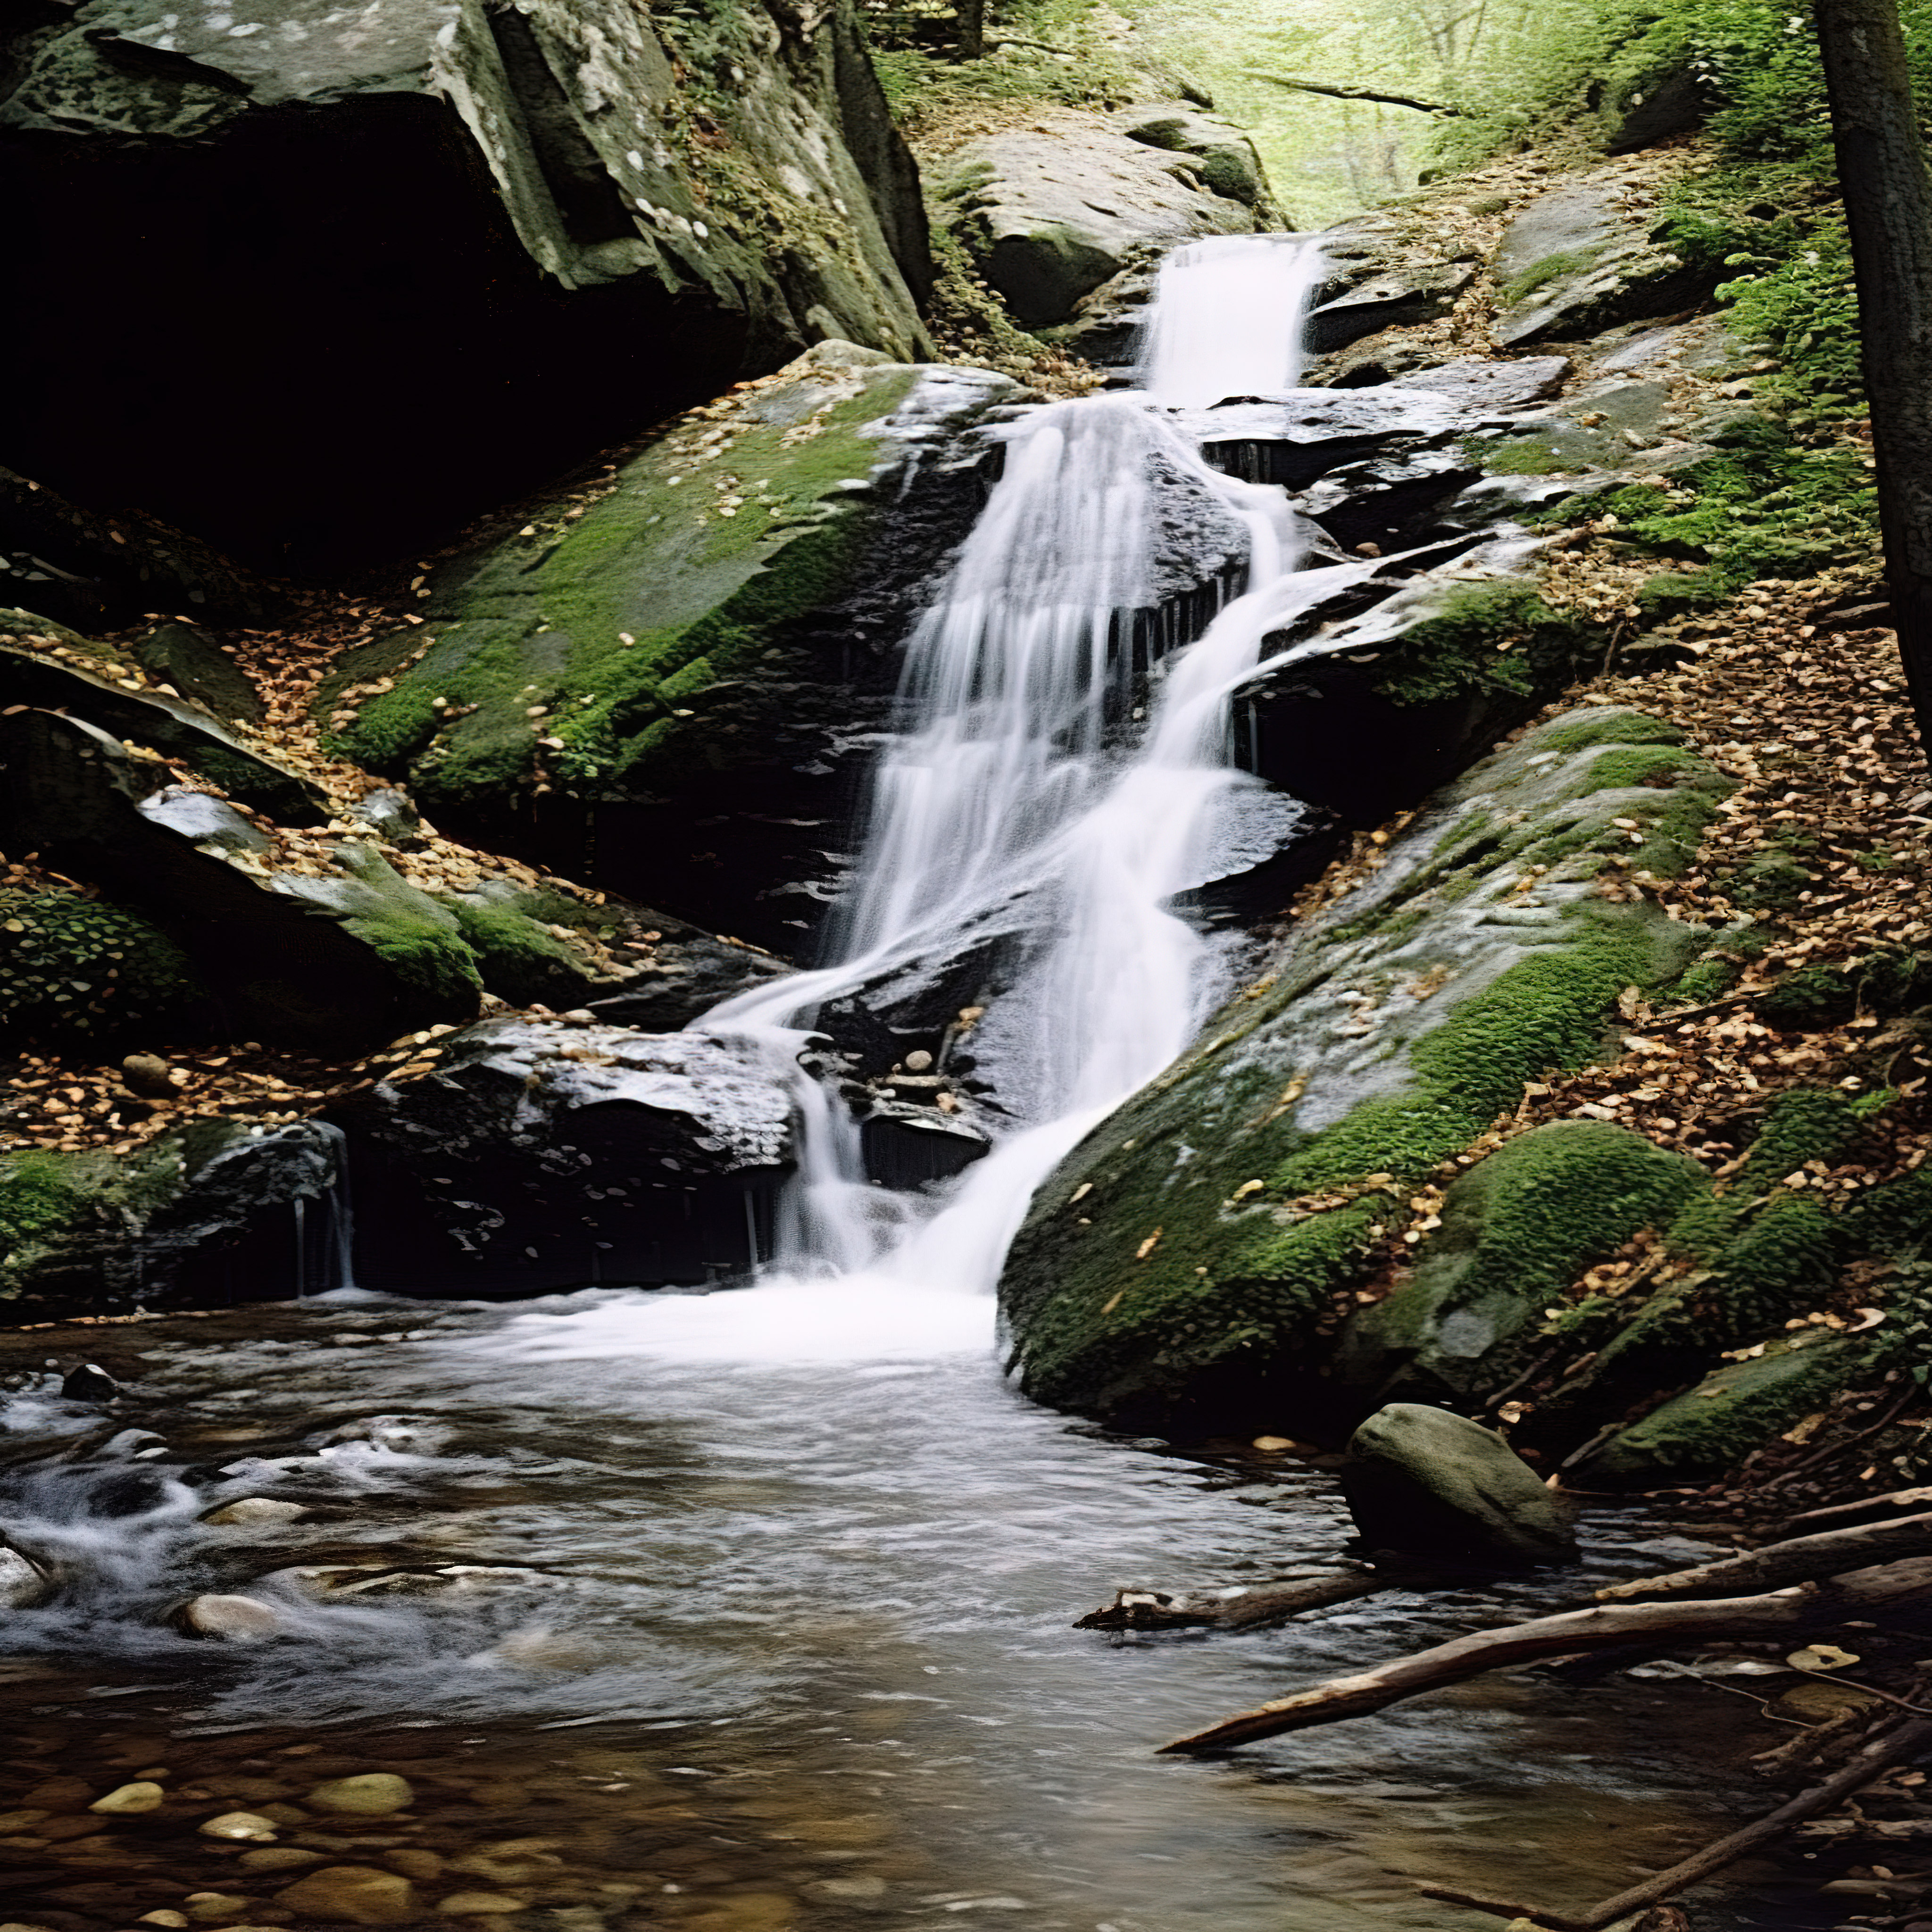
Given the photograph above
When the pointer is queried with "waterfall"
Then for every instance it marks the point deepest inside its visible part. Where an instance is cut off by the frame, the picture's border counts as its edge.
(1013, 806)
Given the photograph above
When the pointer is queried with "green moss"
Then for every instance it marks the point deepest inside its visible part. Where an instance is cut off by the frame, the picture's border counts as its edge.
(1892, 980)
(1541, 274)
(1489, 638)
(1621, 728)
(1516, 1229)
(519, 960)
(433, 962)
(44, 1196)
(75, 969)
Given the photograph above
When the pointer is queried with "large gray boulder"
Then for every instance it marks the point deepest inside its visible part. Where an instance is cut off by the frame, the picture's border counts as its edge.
(1051, 212)
(1425, 1483)
(1227, 161)
(1172, 1269)
(536, 226)
(1577, 260)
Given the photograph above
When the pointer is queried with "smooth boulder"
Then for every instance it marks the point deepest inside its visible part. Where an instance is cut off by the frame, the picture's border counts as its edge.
(1050, 212)
(1423, 1482)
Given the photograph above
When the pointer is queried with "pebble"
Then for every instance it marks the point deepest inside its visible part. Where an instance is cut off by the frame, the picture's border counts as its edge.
(141, 1795)
(371, 1794)
(279, 1858)
(164, 1917)
(360, 1894)
(238, 1825)
(233, 1619)
(207, 1906)
(257, 1509)
(501, 1797)
(146, 1074)
(459, 1904)
(20, 1821)
(413, 1862)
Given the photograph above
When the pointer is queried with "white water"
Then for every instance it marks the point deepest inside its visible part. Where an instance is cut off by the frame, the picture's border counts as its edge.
(1003, 811)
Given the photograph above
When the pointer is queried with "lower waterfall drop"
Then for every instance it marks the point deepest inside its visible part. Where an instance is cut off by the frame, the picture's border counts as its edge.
(1007, 809)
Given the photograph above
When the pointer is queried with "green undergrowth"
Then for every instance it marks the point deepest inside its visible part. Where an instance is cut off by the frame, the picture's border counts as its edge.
(1489, 639)
(74, 970)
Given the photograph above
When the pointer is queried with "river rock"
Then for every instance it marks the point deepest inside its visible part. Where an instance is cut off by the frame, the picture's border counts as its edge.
(143, 1795)
(22, 1581)
(1381, 274)
(230, 1619)
(1171, 1268)
(1517, 1229)
(1048, 213)
(1576, 261)
(371, 1794)
(244, 1827)
(89, 1383)
(540, 1155)
(708, 645)
(251, 1511)
(631, 213)
(362, 1894)
(1424, 1483)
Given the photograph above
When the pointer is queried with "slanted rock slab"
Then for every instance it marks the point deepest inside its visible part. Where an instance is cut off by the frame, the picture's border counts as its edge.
(1426, 1483)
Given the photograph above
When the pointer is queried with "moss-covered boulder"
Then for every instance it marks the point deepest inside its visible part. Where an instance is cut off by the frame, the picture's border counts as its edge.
(689, 661)
(1517, 1229)
(1171, 1268)
(1737, 1408)
(207, 1215)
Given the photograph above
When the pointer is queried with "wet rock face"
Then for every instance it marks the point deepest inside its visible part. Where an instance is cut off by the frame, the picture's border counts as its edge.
(1226, 160)
(1577, 261)
(514, 219)
(1048, 219)
(539, 1155)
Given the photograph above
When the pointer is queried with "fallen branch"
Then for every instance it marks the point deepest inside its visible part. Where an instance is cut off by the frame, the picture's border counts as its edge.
(1354, 93)
(1802, 1560)
(1243, 1610)
(1898, 1502)
(1904, 1741)
(1891, 1587)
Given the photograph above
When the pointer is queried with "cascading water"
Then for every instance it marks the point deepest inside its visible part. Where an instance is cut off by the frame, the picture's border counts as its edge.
(1010, 808)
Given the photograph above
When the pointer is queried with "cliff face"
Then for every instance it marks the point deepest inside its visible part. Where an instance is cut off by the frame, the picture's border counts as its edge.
(317, 285)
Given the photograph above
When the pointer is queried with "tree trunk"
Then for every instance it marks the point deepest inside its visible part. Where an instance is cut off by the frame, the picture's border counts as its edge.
(971, 39)
(1887, 187)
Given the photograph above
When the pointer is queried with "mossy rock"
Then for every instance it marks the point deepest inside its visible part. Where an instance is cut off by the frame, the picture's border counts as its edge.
(1171, 1267)
(206, 1208)
(75, 970)
(1516, 1230)
(1713, 1427)
(706, 558)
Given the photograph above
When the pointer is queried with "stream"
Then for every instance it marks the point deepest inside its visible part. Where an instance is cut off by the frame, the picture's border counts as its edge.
(751, 1610)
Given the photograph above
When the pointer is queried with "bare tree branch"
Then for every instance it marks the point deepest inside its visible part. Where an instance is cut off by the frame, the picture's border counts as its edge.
(1353, 93)
(1802, 1560)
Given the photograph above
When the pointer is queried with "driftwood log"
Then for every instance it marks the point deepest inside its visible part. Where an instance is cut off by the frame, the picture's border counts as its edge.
(1888, 1588)
(1246, 1610)
(1801, 1560)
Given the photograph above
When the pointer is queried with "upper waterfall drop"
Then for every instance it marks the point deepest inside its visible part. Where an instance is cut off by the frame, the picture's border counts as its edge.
(1018, 807)
(1228, 319)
